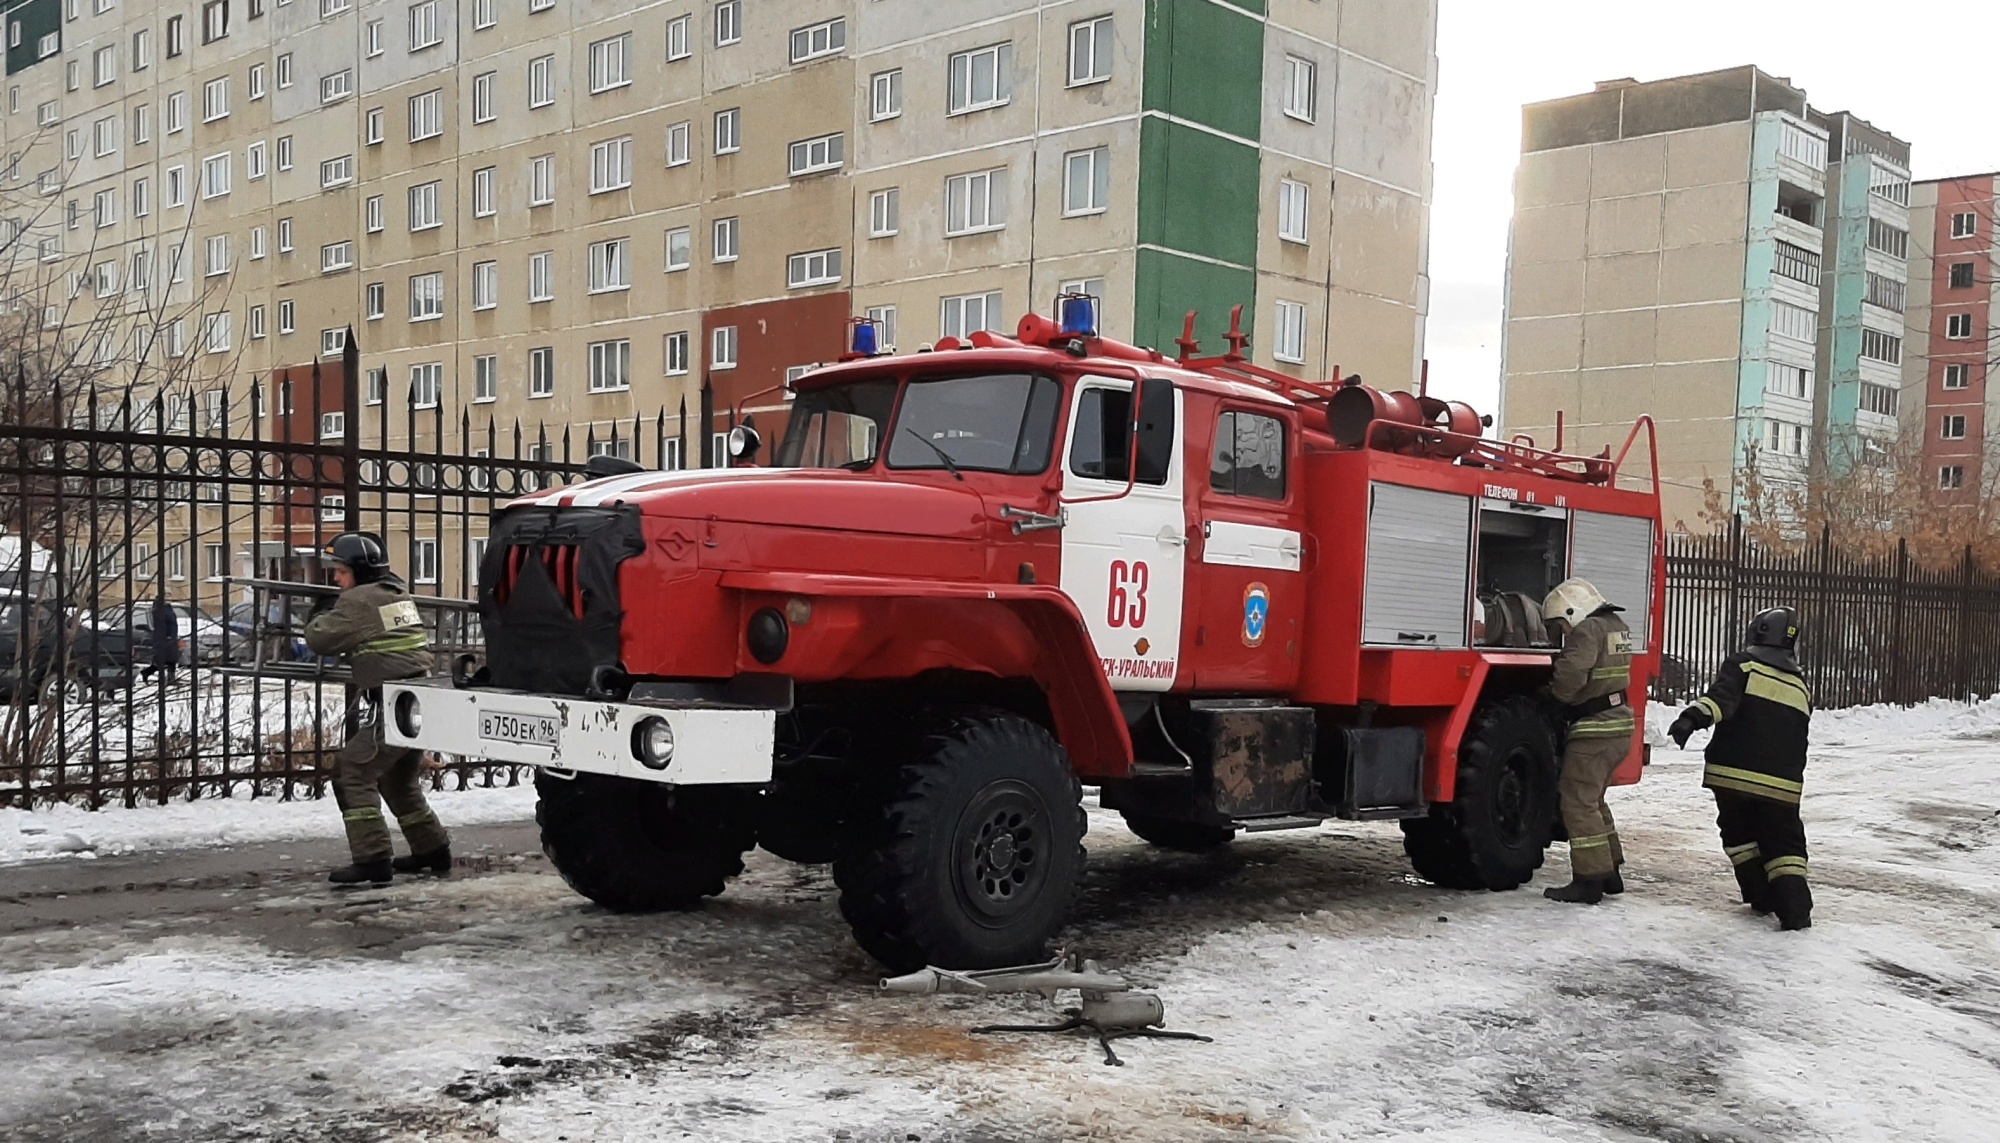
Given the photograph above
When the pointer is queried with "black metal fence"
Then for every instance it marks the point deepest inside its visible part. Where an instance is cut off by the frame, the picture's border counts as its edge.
(1876, 628)
(207, 501)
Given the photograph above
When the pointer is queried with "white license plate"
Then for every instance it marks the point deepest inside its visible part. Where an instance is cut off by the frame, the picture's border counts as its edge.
(520, 729)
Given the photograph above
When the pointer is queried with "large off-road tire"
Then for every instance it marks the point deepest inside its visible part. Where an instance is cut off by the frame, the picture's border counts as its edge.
(1188, 837)
(975, 851)
(1494, 833)
(640, 847)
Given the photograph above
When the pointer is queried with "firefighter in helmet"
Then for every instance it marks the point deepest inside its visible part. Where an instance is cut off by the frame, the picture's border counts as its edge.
(375, 625)
(1756, 764)
(1591, 676)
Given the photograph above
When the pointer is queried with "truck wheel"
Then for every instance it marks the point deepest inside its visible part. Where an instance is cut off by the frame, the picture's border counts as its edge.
(1188, 837)
(1494, 834)
(640, 847)
(973, 856)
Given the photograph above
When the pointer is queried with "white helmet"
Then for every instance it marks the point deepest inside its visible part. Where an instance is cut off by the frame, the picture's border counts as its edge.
(1573, 601)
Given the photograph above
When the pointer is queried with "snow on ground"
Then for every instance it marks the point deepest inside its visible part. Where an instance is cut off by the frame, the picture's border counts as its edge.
(1347, 1001)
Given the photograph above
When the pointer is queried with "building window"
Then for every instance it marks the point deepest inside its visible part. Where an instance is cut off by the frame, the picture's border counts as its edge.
(332, 342)
(1885, 292)
(677, 38)
(1961, 275)
(485, 285)
(215, 176)
(541, 180)
(1288, 340)
(884, 318)
(980, 79)
(284, 236)
(482, 193)
(722, 347)
(426, 115)
(485, 14)
(608, 63)
(482, 98)
(885, 95)
(674, 352)
(1086, 181)
(611, 165)
(1797, 263)
(284, 152)
(542, 372)
(723, 238)
(542, 276)
(1301, 88)
(142, 197)
(1891, 240)
(540, 5)
(333, 425)
(142, 124)
(256, 243)
(1090, 51)
(1795, 322)
(728, 132)
(425, 213)
(142, 48)
(104, 65)
(1951, 476)
(375, 213)
(728, 22)
(541, 81)
(284, 71)
(680, 249)
(1964, 225)
(176, 115)
(976, 202)
(378, 300)
(610, 265)
(336, 87)
(424, 29)
(256, 323)
(287, 320)
(1957, 327)
(336, 172)
(677, 144)
(884, 212)
(254, 162)
(335, 257)
(426, 384)
(485, 378)
(1958, 376)
(105, 207)
(372, 32)
(375, 131)
(1883, 347)
(1794, 381)
(214, 20)
(811, 156)
(104, 135)
(826, 38)
(968, 313)
(215, 99)
(610, 366)
(1952, 427)
(378, 389)
(427, 296)
(815, 268)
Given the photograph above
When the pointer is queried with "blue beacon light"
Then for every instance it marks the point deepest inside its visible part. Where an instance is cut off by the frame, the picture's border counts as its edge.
(1077, 315)
(864, 338)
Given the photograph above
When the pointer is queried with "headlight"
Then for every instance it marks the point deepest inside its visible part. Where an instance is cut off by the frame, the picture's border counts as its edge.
(409, 714)
(653, 743)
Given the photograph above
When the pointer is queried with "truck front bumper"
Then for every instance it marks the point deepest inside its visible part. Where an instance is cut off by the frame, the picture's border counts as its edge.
(704, 744)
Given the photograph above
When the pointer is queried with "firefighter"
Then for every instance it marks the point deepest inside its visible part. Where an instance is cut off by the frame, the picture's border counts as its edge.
(1756, 764)
(1591, 675)
(375, 625)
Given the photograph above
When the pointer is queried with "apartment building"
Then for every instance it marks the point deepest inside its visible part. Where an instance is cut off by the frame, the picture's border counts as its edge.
(1954, 309)
(574, 214)
(1715, 252)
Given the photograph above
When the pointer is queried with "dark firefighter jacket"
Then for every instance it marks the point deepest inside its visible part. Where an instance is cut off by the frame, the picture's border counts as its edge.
(1595, 665)
(1760, 709)
(377, 627)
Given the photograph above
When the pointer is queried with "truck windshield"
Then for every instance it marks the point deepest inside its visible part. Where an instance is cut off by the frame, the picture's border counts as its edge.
(989, 422)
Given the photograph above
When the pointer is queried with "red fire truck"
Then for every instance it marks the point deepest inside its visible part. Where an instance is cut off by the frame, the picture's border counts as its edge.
(974, 580)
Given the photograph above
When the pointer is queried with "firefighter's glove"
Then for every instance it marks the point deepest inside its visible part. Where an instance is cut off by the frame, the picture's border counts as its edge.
(1684, 727)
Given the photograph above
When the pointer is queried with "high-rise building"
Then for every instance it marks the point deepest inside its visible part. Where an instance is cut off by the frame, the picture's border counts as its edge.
(569, 212)
(1715, 252)
(1954, 309)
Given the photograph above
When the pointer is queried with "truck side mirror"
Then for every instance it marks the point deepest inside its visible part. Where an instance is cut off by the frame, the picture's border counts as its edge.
(1154, 446)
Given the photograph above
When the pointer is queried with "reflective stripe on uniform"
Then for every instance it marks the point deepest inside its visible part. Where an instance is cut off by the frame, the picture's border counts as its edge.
(1785, 867)
(394, 644)
(1594, 841)
(1713, 708)
(364, 814)
(421, 817)
(1603, 728)
(1777, 686)
(1751, 782)
(1611, 674)
(1743, 854)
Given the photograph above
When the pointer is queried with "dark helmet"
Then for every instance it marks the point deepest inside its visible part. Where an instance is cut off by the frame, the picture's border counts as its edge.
(362, 552)
(1774, 627)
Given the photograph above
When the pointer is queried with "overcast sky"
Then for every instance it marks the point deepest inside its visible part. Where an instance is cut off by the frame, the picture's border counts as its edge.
(1924, 70)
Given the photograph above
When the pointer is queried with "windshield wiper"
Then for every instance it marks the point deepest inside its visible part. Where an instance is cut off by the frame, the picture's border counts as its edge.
(942, 455)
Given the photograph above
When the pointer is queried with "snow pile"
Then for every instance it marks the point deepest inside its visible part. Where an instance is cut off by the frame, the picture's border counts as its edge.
(69, 831)
(1860, 725)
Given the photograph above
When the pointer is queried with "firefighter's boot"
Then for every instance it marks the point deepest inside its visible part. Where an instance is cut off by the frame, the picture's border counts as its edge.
(1614, 884)
(1580, 891)
(437, 861)
(1791, 899)
(373, 873)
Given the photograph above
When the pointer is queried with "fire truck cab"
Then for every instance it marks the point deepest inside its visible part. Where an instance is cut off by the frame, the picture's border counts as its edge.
(973, 580)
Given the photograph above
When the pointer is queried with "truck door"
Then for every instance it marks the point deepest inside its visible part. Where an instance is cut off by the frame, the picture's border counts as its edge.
(1248, 590)
(1124, 554)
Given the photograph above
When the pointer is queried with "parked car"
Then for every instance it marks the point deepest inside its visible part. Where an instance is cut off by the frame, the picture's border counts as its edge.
(203, 638)
(36, 634)
(279, 629)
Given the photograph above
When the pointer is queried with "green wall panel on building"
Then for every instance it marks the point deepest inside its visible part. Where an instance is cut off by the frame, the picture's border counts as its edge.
(1205, 64)
(1197, 192)
(37, 19)
(1168, 286)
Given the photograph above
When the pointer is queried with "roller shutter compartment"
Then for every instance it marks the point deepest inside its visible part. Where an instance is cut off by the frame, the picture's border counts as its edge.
(1615, 553)
(1419, 568)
